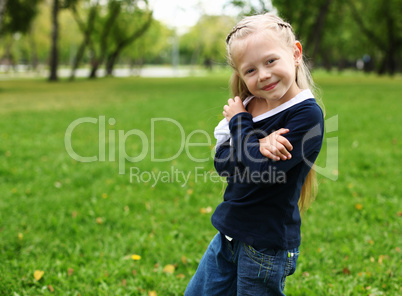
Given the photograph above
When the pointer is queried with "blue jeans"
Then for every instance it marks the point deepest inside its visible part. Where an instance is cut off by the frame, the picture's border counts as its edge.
(235, 268)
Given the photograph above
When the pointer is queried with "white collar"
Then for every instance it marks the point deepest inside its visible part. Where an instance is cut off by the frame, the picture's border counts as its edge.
(300, 97)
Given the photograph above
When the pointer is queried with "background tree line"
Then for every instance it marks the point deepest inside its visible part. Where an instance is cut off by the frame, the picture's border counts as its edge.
(95, 34)
(336, 33)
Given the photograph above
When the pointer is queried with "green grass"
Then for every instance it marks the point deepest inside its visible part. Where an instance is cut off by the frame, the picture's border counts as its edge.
(81, 222)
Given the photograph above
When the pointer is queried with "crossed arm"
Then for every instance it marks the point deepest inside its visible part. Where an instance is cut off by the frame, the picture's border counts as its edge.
(274, 146)
(259, 155)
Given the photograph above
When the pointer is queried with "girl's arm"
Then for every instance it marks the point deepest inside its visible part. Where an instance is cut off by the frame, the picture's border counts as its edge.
(305, 133)
(274, 146)
(225, 160)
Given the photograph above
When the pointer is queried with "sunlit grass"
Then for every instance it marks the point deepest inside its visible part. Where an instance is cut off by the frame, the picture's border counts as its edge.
(84, 224)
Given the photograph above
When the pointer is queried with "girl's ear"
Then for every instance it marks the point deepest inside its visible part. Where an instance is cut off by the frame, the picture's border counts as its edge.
(298, 50)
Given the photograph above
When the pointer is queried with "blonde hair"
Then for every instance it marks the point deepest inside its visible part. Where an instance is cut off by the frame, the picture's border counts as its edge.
(272, 23)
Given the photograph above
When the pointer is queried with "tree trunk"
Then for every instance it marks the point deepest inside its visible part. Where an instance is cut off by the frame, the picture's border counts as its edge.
(316, 34)
(94, 69)
(97, 61)
(390, 46)
(77, 59)
(112, 58)
(87, 31)
(392, 41)
(54, 46)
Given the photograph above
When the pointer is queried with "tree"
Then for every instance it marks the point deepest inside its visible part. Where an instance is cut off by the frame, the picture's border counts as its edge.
(205, 42)
(54, 58)
(17, 15)
(54, 51)
(122, 23)
(154, 47)
(248, 7)
(98, 56)
(32, 48)
(2, 9)
(123, 38)
(309, 21)
(86, 29)
(379, 22)
(342, 31)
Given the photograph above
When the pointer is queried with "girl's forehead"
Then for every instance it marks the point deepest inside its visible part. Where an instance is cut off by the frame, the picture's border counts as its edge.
(268, 36)
(267, 39)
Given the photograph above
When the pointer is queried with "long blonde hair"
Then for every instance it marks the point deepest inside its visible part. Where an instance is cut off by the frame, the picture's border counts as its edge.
(284, 32)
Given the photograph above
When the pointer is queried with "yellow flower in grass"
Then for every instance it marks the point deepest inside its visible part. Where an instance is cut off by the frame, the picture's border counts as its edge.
(358, 206)
(136, 257)
(38, 274)
(169, 268)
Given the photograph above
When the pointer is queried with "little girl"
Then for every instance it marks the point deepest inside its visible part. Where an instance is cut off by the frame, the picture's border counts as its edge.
(259, 219)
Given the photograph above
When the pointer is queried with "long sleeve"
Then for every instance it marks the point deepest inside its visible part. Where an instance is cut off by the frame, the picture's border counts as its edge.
(225, 162)
(306, 133)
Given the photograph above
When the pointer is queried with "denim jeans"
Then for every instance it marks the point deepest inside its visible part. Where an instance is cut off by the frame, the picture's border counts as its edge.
(235, 268)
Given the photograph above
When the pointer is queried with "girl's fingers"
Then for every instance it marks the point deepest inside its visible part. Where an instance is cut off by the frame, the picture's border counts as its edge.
(267, 153)
(276, 149)
(282, 139)
(282, 131)
(285, 142)
(281, 151)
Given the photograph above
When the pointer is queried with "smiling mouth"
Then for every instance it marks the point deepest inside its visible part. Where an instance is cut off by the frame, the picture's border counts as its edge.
(270, 86)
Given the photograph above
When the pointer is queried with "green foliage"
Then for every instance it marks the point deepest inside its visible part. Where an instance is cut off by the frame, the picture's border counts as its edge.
(249, 7)
(19, 15)
(206, 40)
(80, 223)
(337, 33)
(153, 47)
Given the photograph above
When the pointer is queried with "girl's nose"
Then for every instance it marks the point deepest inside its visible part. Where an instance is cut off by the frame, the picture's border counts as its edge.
(264, 75)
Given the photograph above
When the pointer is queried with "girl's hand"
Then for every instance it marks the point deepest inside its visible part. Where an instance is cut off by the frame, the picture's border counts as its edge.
(275, 146)
(234, 107)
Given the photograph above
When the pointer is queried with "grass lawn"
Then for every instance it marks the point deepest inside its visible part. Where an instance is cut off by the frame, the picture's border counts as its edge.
(135, 218)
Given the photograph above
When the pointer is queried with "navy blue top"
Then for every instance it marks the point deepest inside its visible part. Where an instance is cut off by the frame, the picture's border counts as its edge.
(260, 201)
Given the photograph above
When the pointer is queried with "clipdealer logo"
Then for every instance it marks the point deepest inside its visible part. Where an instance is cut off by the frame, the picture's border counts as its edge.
(111, 147)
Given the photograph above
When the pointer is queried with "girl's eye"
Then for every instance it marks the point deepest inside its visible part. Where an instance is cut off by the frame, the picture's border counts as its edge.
(270, 61)
(249, 71)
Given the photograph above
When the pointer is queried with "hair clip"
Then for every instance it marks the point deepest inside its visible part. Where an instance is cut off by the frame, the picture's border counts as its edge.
(285, 25)
(234, 30)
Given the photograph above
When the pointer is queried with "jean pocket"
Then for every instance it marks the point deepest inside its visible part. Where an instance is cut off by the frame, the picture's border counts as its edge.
(261, 251)
(263, 257)
(258, 265)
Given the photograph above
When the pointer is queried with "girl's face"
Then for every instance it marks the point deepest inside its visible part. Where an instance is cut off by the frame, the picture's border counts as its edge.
(267, 67)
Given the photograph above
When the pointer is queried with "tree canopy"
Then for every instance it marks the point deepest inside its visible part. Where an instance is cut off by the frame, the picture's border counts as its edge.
(334, 34)
(17, 15)
(337, 33)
